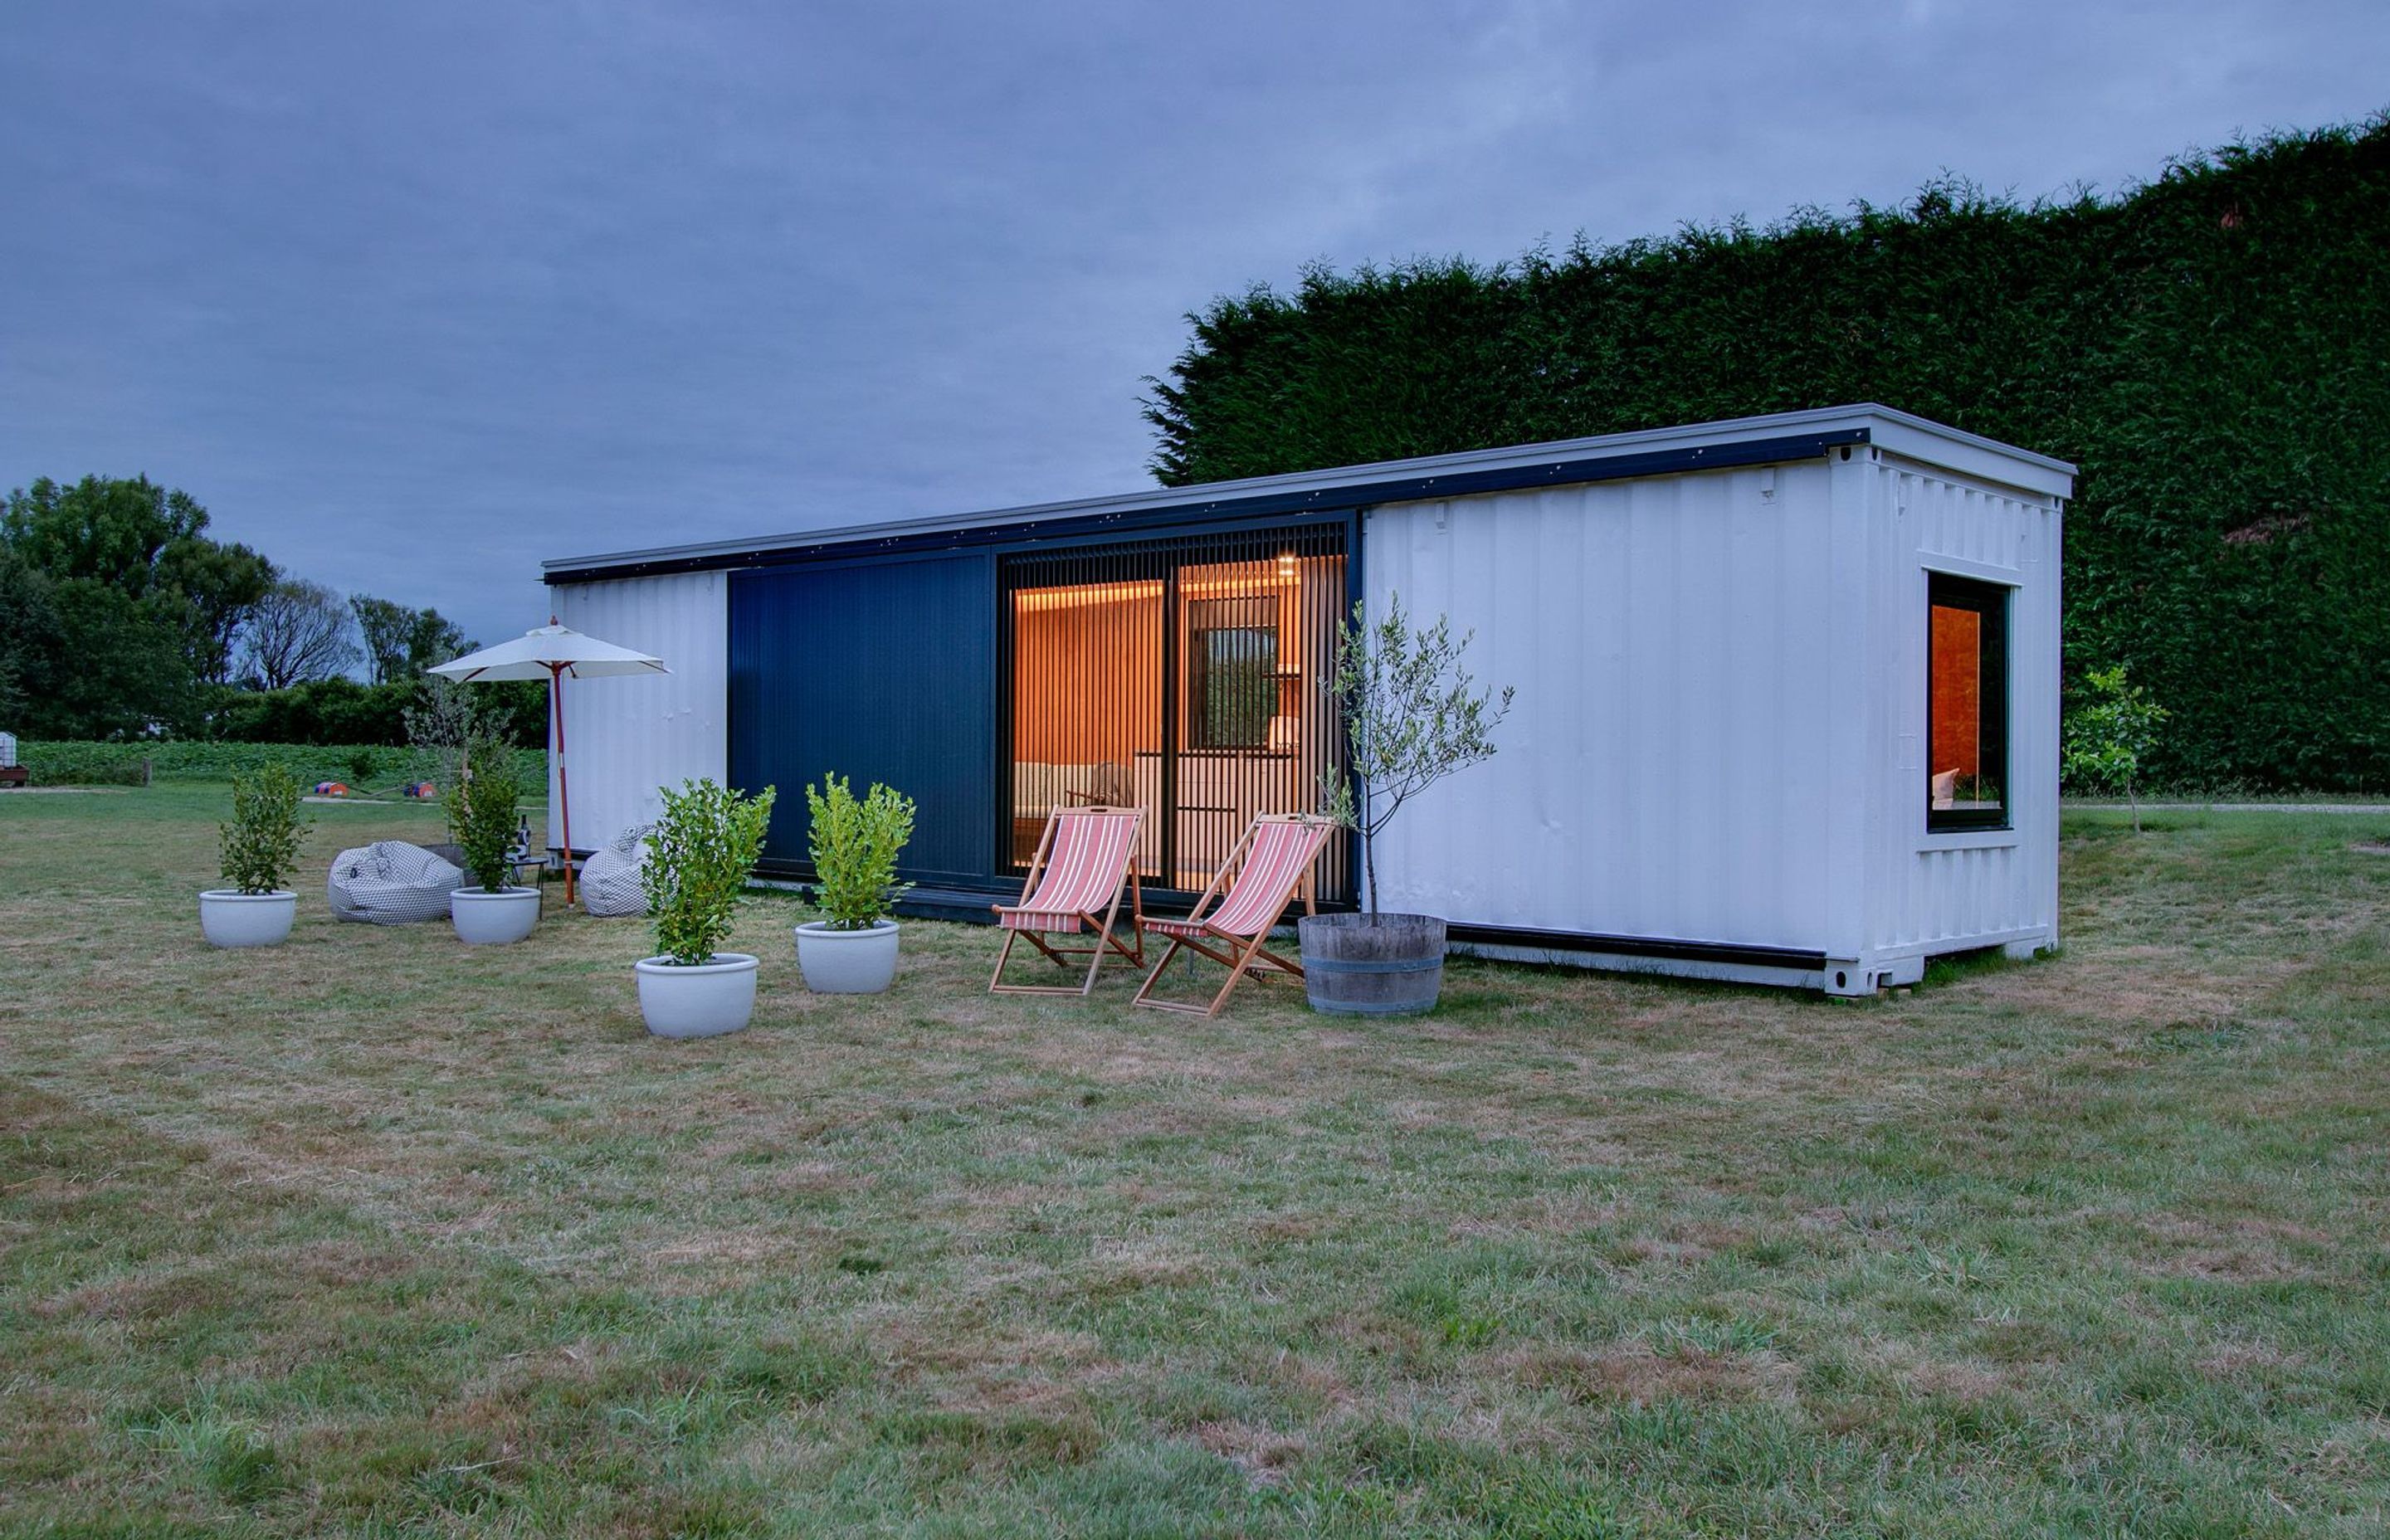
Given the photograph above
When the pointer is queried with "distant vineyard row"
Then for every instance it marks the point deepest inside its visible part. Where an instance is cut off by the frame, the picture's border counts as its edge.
(367, 768)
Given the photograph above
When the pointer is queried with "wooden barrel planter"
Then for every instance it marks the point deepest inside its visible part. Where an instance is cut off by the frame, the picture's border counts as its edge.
(1372, 965)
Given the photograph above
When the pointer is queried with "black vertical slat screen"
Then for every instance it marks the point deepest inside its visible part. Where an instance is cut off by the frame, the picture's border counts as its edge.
(1189, 677)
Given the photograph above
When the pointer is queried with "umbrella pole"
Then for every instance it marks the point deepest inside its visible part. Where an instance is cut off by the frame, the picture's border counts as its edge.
(563, 792)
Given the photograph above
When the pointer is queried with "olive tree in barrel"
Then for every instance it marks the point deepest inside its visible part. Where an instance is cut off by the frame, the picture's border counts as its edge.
(1412, 715)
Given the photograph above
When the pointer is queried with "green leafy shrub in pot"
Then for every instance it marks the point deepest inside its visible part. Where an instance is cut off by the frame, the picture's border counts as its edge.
(1412, 715)
(698, 857)
(855, 844)
(260, 844)
(483, 805)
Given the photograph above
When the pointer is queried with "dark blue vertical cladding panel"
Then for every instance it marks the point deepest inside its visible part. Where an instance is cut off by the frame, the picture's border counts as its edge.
(879, 672)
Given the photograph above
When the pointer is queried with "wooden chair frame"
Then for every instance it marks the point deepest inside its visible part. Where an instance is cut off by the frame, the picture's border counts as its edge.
(1107, 938)
(1243, 955)
(1094, 797)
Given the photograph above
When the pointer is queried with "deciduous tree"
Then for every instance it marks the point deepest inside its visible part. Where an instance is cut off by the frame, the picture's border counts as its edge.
(298, 631)
(400, 643)
(382, 628)
(150, 544)
(2109, 728)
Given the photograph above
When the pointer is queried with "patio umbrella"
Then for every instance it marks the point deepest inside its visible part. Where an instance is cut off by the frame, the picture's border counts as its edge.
(554, 653)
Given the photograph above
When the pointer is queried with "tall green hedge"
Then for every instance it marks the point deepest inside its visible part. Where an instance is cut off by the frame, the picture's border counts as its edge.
(2212, 348)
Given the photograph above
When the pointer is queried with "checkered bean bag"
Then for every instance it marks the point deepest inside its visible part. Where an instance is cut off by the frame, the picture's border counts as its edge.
(392, 882)
(610, 878)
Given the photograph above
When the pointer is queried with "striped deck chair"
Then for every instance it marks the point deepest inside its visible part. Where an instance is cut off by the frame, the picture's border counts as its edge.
(1273, 859)
(1083, 865)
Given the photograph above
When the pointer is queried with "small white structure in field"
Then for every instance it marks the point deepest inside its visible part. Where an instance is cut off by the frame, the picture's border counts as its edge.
(1787, 686)
(1801, 717)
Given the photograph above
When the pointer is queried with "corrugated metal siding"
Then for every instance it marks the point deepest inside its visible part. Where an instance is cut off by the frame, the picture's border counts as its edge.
(1668, 769)
(1945, 892)
(626, 737)
(881, 672)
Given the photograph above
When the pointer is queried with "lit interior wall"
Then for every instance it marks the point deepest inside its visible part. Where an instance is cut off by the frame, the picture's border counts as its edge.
(1957, 691)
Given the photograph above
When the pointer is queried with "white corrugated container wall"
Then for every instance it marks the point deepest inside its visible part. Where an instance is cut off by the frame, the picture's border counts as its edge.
(1721, 687)
(626, 737)
(1670, 769)
(1936, 892)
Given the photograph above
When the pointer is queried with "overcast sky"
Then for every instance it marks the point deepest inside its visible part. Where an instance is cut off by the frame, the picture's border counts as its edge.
(414, 296)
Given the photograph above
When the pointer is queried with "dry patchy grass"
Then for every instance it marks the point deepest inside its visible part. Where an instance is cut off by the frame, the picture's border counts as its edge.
(373, 1233)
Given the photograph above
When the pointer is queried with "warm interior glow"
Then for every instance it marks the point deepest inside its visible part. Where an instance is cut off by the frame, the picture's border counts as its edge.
(1237, 700)
(1087, 672)
(1085, 595)
(1958, 653)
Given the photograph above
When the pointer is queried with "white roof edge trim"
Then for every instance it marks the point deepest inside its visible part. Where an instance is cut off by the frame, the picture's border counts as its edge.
(1984, 460)
(1910, 435)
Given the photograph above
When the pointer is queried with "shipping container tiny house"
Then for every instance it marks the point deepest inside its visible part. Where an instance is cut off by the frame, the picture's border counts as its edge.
(1787, 687)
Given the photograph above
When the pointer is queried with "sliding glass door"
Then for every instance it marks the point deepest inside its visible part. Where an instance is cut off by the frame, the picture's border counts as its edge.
(1187, 677)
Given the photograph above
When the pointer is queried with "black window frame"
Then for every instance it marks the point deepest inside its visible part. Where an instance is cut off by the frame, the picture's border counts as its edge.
(1993, 699)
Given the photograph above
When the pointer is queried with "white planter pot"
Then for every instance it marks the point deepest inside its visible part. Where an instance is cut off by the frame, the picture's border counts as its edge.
(485, 918)
(705, 1001)
(229, 917)
(847, 962)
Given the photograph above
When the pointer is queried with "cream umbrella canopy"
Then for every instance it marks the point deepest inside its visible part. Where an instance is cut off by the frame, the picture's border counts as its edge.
(555, 653)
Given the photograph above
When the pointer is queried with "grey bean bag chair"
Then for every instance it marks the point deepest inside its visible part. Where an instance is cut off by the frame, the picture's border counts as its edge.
(392, 882)
(610, 878)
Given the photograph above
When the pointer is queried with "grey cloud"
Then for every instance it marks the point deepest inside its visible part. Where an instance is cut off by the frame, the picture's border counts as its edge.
(414, 298)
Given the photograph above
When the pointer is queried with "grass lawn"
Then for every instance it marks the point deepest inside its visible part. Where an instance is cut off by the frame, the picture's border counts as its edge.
(375, 1234)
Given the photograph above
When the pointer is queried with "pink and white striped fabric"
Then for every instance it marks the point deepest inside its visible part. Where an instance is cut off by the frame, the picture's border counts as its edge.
(1280, 854)
(1085, 866)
